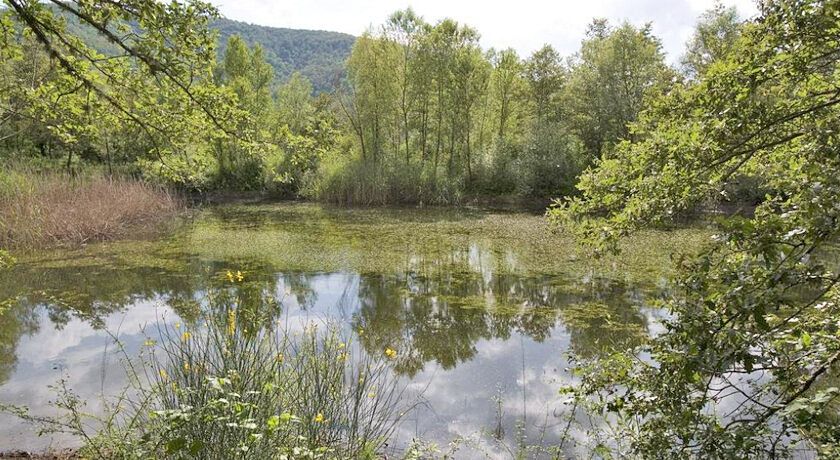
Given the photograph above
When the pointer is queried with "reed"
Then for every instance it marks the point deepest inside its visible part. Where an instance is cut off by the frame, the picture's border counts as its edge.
(47, 209)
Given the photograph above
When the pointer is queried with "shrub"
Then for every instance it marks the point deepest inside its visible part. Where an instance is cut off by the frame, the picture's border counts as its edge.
(287, 166)
(195, 171)
(549, 163)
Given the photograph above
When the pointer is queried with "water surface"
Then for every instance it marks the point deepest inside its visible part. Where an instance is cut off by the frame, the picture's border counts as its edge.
(484, 307)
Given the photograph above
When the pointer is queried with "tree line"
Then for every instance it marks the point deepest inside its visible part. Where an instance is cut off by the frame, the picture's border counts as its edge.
(424, 113)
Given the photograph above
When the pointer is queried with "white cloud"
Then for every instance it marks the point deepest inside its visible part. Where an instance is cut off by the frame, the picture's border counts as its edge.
(524, 25)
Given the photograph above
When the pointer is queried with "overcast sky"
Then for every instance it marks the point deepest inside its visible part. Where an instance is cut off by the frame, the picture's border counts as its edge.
(524, 25)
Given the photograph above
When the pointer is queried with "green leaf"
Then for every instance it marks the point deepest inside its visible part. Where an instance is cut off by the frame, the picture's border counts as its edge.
(175, 445)
(805, 338)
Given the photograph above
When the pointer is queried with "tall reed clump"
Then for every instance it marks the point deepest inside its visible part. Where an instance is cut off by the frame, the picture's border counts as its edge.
(237, 383)
(41, 209)
(354, 182)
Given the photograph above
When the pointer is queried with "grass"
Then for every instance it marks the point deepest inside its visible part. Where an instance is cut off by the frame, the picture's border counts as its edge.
(239, 383)
(48, 209)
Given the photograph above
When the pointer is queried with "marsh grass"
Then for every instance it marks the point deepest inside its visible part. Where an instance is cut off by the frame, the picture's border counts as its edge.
(238, 383)
(352, 182)
(43, 209)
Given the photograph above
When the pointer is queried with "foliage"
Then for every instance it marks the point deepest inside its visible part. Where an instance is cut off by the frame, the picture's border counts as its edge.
(745, 367)
(6, 260)
(422, 106)
(151, 100)
(477, 121)
(609, 80)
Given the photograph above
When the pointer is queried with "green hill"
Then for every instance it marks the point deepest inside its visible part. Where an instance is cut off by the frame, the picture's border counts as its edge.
(319, 55)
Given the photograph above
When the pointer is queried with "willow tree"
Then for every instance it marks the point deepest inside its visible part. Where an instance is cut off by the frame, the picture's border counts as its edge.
(746, 366)
(375, 94)
(545, 74)
(507, 86)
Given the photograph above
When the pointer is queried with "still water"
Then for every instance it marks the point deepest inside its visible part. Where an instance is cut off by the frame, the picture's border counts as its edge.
(484, 306)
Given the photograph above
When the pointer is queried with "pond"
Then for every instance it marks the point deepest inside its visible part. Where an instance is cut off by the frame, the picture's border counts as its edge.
(484, 306)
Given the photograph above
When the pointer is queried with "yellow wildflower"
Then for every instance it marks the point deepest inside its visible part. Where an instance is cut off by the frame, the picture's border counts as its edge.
(319, 418)
(163, 374)
(177, 325)
(239, 276)
(390, 353)
(229, 276)
(185, 336)
(231, 322)
(149, 343)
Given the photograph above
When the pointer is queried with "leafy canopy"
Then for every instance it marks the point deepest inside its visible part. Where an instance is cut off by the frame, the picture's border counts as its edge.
(746, 366)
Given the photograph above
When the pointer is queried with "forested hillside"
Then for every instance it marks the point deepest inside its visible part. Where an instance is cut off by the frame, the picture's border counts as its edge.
(317, 55)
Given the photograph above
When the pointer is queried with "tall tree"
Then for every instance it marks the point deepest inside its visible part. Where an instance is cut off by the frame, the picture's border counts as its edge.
(545, 75)
(713, 39)
(294, 103)
(615, 69)
(507, 87)
(404, 28)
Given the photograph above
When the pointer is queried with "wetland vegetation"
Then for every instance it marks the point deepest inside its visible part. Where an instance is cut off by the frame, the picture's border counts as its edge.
(428, 326)
(441, 287)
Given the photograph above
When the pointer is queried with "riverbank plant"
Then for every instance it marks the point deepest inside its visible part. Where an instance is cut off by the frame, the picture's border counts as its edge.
(6, 260)
(746, 363)
(50, 208)
(238, 383)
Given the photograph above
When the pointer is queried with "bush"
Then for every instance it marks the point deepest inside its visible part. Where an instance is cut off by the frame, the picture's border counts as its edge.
(288, 166)
(549, 163)
(195, 171)
(496, 175)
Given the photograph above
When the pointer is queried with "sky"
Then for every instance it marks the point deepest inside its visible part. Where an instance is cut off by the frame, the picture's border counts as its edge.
(524, 25)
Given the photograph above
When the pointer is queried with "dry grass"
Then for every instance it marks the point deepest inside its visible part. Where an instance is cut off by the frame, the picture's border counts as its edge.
(51, 209)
